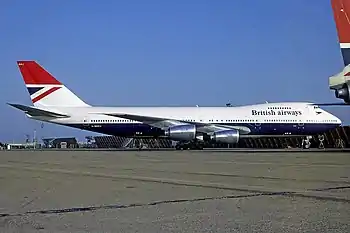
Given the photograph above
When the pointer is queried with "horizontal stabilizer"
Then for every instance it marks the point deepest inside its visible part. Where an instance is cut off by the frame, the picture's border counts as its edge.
(33, 111)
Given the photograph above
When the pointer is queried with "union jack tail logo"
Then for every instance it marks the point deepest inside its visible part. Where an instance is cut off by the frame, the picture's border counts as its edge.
(38, 93)
(44, 89)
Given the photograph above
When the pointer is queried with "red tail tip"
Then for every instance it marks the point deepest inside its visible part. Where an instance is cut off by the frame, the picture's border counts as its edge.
(341, 11)
(33, 73)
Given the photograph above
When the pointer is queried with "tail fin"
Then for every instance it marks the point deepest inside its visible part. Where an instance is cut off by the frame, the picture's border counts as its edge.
(341, 13)
(44, 89)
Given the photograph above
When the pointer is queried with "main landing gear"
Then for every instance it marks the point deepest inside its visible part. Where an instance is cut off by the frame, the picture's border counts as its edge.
(192, 145)
(305, 143)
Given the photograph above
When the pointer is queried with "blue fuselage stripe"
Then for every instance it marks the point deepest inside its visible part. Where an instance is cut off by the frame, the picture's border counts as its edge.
(138, 129)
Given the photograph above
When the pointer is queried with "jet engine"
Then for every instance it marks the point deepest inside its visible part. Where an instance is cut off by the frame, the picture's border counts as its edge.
(343, 93)
(181, 132)
(226, 136)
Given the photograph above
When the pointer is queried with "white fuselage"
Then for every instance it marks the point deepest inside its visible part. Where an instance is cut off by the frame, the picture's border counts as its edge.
(259, 119)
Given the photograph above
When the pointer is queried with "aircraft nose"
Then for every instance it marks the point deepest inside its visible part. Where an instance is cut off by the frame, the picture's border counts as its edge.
(337, 120)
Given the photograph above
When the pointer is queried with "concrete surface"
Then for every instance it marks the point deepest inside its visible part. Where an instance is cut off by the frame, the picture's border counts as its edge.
(174, 191)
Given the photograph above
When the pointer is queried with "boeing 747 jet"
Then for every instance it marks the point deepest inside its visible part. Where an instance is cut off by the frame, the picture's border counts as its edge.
(53, 102)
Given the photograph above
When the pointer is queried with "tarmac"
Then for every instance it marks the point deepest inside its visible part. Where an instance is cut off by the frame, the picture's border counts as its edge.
(174, 191)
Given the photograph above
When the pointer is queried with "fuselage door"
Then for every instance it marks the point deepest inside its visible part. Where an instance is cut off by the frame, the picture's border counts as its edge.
(86, 122)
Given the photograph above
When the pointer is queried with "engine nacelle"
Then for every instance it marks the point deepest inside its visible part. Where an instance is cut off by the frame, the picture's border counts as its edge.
(226, 136)
(343, 93)
(181, 132)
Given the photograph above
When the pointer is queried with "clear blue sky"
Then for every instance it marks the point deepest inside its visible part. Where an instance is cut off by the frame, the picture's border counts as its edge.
(158, 52)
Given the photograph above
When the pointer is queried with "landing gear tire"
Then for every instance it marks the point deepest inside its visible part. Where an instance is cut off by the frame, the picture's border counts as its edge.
(306, 144)
(198, 147)
(189, 146)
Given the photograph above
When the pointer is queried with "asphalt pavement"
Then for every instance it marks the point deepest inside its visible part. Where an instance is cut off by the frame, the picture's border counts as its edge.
(174, 191)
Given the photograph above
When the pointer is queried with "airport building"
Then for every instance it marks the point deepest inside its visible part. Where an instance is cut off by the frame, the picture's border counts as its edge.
(60, 143)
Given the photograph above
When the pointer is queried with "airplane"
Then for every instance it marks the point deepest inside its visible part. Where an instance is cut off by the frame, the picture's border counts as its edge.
(340, 82)
(191, 127)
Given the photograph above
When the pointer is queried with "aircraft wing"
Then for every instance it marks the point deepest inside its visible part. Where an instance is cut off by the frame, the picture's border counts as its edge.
(164, 123)
(33, 111)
